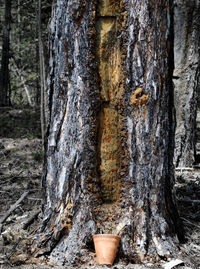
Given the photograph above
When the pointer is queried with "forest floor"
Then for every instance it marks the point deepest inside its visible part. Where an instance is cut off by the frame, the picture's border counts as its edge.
(21, 171)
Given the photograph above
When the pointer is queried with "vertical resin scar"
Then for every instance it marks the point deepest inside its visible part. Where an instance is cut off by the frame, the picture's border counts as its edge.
(111, 89)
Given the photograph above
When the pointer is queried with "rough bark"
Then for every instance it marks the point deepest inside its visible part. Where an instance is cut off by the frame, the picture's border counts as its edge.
(186, 78)
(4, 75)
(109, 149)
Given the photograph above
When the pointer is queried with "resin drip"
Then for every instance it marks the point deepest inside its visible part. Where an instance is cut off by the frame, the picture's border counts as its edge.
(111, 77)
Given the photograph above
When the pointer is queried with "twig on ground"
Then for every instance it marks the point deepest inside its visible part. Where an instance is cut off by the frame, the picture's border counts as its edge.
(190, 222)
(4, 192)
(10, 177)
(184, 168)
(35, 199)
(7, 260)
(188, 200)
(14, 249)
(12, 208)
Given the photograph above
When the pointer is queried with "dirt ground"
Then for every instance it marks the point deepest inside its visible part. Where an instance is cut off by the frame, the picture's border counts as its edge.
(21, 171)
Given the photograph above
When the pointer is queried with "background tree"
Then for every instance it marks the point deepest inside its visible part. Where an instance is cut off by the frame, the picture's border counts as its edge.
(186, 74)
(4, 74)
(23, 65)
(43, 91)
(110, 140)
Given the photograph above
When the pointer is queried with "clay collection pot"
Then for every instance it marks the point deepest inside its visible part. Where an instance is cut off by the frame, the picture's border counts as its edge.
(106, 247)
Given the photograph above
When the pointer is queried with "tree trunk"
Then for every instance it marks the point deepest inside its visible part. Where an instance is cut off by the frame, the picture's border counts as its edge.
(18, 27)
(43, 104)
(4, 75)
(110, 140)
(186, 78)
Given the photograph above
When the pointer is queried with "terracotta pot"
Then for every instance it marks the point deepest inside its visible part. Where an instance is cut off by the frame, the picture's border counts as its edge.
(106, 247)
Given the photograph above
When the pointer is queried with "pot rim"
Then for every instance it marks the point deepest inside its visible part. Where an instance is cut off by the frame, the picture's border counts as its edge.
(106, 235)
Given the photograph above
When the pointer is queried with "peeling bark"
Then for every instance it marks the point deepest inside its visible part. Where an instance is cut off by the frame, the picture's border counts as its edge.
(109, 149)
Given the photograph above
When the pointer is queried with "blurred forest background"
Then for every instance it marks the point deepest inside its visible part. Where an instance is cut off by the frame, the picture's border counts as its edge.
(24, 60)
(23, 50)
(23, 74)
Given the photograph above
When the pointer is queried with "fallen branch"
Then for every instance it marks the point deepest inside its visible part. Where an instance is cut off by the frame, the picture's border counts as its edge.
(30, 220)
(172, 264)
(12, 208)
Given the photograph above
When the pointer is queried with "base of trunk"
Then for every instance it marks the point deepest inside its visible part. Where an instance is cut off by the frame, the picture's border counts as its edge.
(140, 237)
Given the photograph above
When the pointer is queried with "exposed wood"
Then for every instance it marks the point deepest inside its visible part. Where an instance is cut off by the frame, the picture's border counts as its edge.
(111, 84)
(12, 208)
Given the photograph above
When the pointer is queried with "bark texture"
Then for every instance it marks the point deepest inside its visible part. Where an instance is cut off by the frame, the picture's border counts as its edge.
(108, 154)
(186, 78)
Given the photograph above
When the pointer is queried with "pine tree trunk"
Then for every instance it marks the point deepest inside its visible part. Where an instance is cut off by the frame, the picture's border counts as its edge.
(110, 140)
(42, 76)
(186, 78)
(4, 75)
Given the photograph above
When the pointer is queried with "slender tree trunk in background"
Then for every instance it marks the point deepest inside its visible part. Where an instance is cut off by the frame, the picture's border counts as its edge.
(186, 73)
(43, 104)
(37, 92)
(18, 26)
(110, 139)
(18, 72)
(4, 76)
